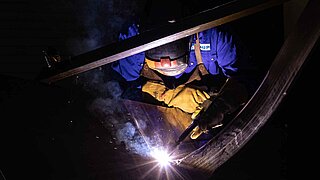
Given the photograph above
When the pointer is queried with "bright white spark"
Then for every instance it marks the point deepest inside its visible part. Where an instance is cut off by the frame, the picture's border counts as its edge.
(162, 157)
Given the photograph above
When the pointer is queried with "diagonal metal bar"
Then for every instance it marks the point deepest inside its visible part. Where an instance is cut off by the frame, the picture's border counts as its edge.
(170, 32)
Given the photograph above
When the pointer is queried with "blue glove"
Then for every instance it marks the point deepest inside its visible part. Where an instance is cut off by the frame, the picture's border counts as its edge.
(132, 31)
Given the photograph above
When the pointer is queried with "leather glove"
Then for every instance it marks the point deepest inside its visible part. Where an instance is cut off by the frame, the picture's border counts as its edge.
(185, 98)
(212, 118)
(232, 96)
(155, 89)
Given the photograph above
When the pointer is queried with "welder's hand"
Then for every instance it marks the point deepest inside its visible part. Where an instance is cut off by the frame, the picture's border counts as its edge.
(186, 98)
(183, 97)
(155, 89)
(132, 31)
(232, 96)
(212, 118)
(196, 132)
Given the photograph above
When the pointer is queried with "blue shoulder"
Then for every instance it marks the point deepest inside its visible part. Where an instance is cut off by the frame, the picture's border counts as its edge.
(129, 68)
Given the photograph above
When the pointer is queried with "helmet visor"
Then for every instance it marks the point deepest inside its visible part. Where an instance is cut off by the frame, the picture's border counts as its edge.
(168, 67)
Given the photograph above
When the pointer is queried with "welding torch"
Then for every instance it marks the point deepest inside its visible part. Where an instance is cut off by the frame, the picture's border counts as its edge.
(204, 106)
(198, 116)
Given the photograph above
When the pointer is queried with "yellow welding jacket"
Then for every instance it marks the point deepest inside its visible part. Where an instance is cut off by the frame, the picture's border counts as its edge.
(169, 59)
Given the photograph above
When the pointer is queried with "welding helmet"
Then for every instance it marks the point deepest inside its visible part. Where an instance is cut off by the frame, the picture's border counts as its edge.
(169, 59)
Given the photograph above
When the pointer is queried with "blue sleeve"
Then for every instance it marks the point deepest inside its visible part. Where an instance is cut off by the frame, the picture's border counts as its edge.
(226, 51)
(129, 68)
(234, 59)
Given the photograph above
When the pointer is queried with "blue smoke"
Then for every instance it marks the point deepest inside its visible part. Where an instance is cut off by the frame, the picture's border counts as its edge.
(123, 130)
(133, 140)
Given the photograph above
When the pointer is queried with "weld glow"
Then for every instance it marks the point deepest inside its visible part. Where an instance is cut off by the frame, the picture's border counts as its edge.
(162, 157)
(162, 165)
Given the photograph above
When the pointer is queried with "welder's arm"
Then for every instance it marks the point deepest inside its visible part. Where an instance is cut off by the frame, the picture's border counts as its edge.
(186, 98)
(230, 98)
(129, 68)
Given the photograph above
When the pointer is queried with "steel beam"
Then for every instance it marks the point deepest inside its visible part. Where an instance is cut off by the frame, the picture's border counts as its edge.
(170, 32)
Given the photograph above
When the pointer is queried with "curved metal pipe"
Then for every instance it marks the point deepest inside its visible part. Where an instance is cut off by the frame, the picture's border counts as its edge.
(265, 101)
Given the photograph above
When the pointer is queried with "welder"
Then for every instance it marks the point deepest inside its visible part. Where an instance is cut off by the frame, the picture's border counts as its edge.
(185, 73)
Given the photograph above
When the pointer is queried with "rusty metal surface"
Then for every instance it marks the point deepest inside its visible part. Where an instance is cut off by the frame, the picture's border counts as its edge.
(172, 31)
(255, 114)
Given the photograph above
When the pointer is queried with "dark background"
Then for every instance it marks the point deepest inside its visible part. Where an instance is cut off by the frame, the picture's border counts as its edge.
(35, 146)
